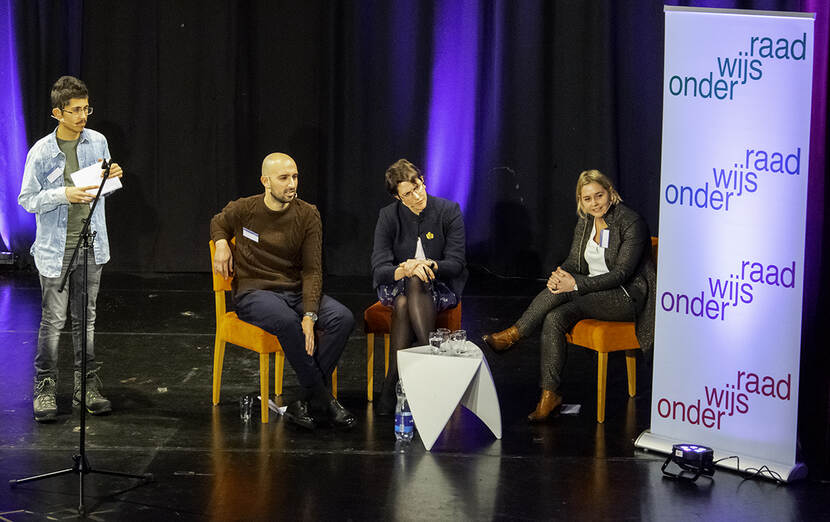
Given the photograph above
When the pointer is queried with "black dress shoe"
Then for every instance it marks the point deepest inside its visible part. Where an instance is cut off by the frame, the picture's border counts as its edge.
(340, 416)
(298, 413)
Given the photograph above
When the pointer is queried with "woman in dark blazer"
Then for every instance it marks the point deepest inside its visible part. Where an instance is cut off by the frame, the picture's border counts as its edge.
(418, 263)
(609, 275)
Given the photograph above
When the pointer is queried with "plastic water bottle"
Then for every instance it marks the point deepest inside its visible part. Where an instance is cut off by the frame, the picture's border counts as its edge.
(404, 424)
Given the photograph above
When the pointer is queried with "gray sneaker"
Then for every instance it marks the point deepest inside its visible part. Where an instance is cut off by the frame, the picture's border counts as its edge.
(45, 406)
(96, 404)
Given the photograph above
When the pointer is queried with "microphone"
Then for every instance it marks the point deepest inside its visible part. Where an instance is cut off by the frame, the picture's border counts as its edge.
(105, 166)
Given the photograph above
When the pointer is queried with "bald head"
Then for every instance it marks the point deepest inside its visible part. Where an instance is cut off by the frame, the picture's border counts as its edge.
(277, 161)
(279, 177)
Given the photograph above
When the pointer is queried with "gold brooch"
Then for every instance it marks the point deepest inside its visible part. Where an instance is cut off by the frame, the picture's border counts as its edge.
(430, 235)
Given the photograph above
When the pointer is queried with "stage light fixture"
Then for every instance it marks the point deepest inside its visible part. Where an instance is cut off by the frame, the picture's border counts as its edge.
(693, 460)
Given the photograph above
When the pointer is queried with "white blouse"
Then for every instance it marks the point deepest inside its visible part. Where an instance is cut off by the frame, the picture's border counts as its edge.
(595, 256)
(419, 251)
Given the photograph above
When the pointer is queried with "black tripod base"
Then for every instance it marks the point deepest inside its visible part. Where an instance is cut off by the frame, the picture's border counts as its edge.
(81, 467)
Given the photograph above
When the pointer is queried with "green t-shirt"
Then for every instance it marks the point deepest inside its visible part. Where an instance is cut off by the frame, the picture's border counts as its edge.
(78, 212)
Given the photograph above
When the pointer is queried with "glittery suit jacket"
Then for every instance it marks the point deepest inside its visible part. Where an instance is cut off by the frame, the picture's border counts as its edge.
(629, 261)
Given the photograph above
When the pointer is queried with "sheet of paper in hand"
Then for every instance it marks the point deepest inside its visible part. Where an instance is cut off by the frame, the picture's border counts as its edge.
(92, 176)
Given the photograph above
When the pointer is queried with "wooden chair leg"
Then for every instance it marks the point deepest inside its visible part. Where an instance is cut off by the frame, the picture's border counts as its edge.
(263, 386)
(334, 383)
(279, 366)
(370, 366)
(385, 354)
(218, 360)
(602, 373)
(631, 367)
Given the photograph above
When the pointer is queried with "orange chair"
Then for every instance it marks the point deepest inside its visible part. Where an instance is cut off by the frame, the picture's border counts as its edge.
(231, 329)
(605, 337)
(377, 319)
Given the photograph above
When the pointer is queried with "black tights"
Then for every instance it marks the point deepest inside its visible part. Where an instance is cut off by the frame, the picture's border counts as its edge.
(413, 315)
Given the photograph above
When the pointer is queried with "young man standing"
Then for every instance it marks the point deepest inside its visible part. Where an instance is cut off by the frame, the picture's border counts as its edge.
(60, 210)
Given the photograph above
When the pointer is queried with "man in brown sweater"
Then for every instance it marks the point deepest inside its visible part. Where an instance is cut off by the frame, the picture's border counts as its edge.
(277, 283)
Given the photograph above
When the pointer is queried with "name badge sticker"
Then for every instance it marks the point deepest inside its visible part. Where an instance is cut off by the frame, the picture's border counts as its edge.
(250, 234)
(55, 174)
(603, 238)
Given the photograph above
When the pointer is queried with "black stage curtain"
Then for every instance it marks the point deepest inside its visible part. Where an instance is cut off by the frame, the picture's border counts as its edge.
(193, 94)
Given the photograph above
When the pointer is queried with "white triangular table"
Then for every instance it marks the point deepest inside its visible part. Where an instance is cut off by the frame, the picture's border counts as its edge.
(435, 384)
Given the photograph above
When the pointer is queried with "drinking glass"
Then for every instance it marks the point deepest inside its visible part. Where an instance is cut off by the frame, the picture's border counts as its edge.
(445, 337)
(246, 403)
(459, 342)
(435, 340)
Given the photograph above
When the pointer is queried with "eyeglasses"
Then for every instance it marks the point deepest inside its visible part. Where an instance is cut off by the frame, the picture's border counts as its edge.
(79, 111)
(419, 189)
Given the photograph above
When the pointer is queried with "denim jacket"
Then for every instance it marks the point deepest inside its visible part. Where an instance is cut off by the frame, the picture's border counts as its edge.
(47, 199)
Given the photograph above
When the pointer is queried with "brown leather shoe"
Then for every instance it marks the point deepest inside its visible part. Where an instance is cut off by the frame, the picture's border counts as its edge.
(501, 341)
(550, 401)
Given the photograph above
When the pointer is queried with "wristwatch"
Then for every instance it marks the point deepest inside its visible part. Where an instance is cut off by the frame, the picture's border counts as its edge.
(312, 315)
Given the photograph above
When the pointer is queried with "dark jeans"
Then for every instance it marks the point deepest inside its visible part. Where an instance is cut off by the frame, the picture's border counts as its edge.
(53, 316)
(280, 313)
(558, 313)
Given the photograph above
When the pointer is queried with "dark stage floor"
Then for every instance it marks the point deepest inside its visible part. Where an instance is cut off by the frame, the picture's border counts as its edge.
(155, 336)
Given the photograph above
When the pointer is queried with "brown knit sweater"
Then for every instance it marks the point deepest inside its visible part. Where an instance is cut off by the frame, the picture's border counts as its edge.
(288, 253)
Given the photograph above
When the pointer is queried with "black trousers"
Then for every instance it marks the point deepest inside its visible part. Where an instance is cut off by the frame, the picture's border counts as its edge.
(280, 313)
(558, 313)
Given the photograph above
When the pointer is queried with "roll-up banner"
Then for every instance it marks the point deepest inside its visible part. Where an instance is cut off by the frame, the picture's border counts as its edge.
(736, 134)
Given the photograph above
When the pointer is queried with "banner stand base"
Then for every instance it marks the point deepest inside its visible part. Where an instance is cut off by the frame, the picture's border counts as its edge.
(662, 444)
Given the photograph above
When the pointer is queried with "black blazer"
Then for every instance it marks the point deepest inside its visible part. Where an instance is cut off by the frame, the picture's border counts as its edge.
(441, 229)
(629, 261)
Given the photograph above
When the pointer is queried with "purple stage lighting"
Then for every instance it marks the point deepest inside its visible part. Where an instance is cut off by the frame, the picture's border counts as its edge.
(16, 225)
(453, 96)
(693, 460)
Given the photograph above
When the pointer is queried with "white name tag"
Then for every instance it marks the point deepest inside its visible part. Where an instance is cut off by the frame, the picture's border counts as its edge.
(603, 238)
(250, 234)
(55, 174)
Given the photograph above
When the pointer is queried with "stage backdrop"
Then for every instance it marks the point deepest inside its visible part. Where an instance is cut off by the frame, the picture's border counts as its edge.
(736, 128)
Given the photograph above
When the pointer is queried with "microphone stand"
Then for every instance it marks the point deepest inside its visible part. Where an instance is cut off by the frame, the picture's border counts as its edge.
(80, 463)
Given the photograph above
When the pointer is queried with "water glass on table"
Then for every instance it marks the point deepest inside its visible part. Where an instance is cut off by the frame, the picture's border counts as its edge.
(445, 339)
(458, 341)
(435, 341)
